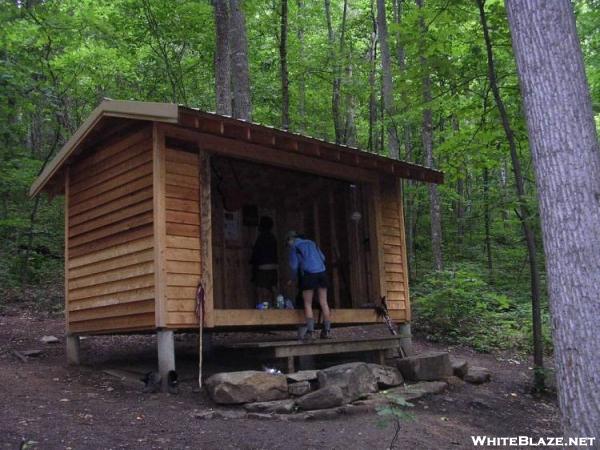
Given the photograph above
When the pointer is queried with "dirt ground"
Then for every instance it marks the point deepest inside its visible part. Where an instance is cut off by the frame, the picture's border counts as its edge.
(46, 404)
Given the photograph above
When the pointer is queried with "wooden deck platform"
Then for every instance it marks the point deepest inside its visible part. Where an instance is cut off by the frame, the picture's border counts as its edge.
(293, 348)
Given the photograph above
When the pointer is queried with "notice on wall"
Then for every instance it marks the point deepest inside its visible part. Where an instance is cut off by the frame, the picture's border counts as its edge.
(232, 226)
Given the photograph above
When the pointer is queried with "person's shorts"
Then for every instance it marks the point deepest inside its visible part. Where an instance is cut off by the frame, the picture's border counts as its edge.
(266, 279)
(313, 281)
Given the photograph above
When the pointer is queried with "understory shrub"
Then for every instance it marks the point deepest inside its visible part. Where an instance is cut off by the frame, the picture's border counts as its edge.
(457, 306)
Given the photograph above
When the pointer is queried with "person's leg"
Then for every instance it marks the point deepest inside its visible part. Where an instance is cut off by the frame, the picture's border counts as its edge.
(322, 292)
(307, 297)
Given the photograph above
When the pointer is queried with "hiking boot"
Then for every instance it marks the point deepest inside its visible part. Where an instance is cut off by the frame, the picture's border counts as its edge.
(304, 334)
(326, 334)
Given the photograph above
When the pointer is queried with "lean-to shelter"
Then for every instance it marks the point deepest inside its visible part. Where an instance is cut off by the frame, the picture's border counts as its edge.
(161, 197)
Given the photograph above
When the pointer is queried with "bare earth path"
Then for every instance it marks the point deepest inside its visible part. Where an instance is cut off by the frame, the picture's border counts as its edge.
(51, 406)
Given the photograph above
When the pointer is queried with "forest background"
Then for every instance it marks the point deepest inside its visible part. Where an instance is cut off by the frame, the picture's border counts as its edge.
(319, 68)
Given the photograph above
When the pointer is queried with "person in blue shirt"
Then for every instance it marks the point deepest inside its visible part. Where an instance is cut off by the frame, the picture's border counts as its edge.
(306, 258)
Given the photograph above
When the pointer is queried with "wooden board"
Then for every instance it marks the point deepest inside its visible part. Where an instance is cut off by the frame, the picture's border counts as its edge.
(394, 279)
(109, 245)
(183, 246)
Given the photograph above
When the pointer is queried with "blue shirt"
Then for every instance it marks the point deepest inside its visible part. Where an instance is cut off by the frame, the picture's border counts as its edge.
(305, 254)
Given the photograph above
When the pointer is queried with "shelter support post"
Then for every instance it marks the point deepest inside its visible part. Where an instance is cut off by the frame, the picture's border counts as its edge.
(406, 338)
(73, 350)
(166, 355)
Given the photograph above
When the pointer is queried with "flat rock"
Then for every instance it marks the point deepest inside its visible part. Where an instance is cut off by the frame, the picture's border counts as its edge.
(386, 376)
(299, 389)
(326, 397)
(460, 367)
(419, 390)
(32, 353)
(49, 339)
(246, 387)
(454, 381)
(286, 406)
(354, 379)
(478, 375)
(426, 367)
(302, 375)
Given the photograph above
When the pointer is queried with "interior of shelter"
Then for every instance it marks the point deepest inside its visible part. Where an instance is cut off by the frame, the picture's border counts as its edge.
(333, 213)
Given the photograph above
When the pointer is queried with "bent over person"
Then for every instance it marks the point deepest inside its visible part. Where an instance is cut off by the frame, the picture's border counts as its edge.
(307, 259)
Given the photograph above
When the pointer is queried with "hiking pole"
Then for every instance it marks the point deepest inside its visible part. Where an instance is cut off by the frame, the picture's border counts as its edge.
(200, 316)
(383, 312)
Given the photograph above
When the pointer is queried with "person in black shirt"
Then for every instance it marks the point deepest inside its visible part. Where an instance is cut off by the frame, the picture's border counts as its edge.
(264, 261)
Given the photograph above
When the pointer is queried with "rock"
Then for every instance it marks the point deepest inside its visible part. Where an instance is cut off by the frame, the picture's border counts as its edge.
(204, 415)
(246, 387)
(286, 406)
(32, 353)
(49, 339)
(460, 367)
(302, 375)
(323, 414)
(354, 379)
(478, 375)
(454, 381)
(426, 367)
(259, 416)
(299, 389)
(419, 390)
(386, 376)
(230, 414)
(327, 397)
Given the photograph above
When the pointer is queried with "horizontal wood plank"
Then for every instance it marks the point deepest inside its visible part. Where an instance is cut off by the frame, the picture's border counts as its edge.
(181, 267)
(136, 322)
(113, 287)
(134, 295)
(113, 252)
(113, 311)
(121, 273)
(117, 215)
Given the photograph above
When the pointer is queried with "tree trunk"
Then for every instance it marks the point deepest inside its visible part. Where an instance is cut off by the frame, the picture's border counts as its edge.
(336, 57)
(487, 222)
(566, 159)
(240, 75)
(388, 89)
(222, 59)
(301, 76)
(285, 92)
(427, 136)
(524, 214)
(372, 88)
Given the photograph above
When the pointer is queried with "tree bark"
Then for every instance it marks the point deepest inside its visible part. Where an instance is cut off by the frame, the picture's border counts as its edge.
(566, 159)
(222, 59)
(524, 214)
(427, 136)
(301, 74)
(335, 57)
(388, 88)
(240, 73)
(372, 88)
(285, 92)
(487, 223)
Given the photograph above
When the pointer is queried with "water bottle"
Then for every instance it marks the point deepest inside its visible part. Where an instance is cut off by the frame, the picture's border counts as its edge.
(280, 302)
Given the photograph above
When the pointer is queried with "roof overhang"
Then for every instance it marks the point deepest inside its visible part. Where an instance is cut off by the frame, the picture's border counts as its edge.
(225, 126)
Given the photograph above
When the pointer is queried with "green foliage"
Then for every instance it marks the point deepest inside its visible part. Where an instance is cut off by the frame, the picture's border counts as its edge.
(457, 306)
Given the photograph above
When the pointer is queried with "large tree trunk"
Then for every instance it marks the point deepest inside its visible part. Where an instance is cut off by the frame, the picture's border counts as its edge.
(372, 85)
(222, 60)
(336, 57)
(285, 92)
(388, 88)
(240, 73)
(524, 214)
(427, 136)
(301, 74)
(566, 158)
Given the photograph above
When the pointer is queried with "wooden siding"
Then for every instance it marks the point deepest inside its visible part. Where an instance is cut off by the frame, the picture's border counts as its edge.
(109, 238)
(391, 235)
(183, 244)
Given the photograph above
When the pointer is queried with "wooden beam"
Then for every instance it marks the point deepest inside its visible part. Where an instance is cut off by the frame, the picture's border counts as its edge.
(160, 224)
(376, 239)
(67, 194)
(272, 156)
(335, 250)
(404, 251)
(255, 317)
(206, 238)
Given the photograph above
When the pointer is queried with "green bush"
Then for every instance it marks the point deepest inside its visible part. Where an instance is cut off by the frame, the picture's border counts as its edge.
(457, 306)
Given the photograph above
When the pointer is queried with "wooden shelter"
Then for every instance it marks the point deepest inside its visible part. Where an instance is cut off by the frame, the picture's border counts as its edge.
(160, 197)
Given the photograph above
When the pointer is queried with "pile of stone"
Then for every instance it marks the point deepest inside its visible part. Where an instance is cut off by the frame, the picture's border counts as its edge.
(341, 386)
